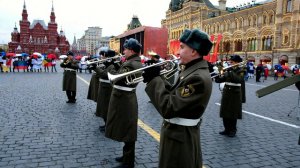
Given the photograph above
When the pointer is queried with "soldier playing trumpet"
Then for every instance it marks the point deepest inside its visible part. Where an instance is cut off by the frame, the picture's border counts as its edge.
(233, 95)
(105, 87)
(122, 114)
(183, 104)
(69, 78)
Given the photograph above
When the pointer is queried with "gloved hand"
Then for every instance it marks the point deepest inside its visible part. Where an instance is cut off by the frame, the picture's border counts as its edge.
(151, 73)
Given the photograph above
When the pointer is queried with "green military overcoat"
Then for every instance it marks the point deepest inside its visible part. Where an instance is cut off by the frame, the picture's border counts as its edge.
(232, 96)
(104, 92)
(69, 77)
(121, 124)
(93, 88)
(180, 145)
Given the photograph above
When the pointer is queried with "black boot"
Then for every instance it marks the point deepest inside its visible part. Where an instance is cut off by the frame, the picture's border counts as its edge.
(102, 128)
(119, 159)
(224, 133)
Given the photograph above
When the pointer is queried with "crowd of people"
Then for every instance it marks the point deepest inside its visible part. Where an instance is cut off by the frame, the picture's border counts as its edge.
(32, 63)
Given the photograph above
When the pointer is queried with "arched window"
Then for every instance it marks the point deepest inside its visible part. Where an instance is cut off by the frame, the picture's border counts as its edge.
(271, 18)
(264, 19)
(289, 6)
(251, 44)
(238, 45)
(267, 43)
(241, 23)
(226, 46)
(249, 21)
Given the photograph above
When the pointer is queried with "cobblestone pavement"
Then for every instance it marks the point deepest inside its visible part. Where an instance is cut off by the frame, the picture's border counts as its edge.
(39, 129)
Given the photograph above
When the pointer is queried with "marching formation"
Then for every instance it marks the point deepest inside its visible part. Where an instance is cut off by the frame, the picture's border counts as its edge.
(181, 104)
(180, 95)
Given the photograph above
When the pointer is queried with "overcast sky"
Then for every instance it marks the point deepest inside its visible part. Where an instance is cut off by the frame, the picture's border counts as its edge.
(75, 16)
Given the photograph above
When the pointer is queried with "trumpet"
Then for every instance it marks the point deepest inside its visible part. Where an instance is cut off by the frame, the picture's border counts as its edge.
(66, 61)
(101, 61)
(222, 70)
(131, 77)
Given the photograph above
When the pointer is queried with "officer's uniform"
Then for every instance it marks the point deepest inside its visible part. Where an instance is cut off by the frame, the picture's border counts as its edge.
(93, 88)
(104, 93)
(232, 97)
(105, 87)
(69, 78)
(182, 106)
(122, 114)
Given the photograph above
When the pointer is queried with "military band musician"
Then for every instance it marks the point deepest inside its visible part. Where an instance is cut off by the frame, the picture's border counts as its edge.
(233, 96)
(121, 124)
(183, 104)
(69, 77)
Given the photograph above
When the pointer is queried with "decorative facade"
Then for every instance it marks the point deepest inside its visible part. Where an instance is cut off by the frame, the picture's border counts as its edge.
(38, 37)
(267, 31)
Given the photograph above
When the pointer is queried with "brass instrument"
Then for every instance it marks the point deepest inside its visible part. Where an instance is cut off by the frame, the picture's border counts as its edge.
(131, 75)
(66, 61)
(222, 70)
(101, 61)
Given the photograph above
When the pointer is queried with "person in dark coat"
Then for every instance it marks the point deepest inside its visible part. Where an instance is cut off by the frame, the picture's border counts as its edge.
(105, 87)
(233, 96)
(121, 124)
(258, 71)
(69, 79)
(183, 104)
(94, 84)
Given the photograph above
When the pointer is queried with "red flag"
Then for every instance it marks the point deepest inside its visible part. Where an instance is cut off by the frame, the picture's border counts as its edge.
(207, 58)
(174, 46)
(216, 49)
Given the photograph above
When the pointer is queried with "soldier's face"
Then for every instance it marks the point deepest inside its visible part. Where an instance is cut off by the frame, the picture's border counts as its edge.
(127, 52)
(187, 54)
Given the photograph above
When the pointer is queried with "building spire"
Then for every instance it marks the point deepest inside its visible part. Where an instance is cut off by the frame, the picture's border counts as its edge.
(24, 12)
(52, 10)
(52, 15)
(24, 6)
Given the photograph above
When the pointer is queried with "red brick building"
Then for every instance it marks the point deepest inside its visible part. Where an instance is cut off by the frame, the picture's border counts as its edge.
(38, 37)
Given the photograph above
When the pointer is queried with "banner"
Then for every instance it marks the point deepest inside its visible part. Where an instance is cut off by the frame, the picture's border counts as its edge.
(214, 57)
(174, 46)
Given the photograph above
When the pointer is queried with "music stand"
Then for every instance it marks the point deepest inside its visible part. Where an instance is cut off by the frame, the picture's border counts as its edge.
(298, 111)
